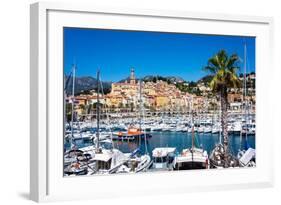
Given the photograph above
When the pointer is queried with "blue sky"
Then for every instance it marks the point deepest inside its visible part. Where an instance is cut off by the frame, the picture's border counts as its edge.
(114, 52)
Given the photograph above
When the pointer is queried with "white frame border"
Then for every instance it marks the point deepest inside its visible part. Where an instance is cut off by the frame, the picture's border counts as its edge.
(39, 83)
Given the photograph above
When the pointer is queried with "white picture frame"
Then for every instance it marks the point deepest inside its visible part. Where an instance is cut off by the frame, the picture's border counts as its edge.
(46, 179)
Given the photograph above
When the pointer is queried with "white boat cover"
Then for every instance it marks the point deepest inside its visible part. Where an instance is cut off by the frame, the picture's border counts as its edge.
(117, 156)
(249, 154)
(163, 151)
(186, 156)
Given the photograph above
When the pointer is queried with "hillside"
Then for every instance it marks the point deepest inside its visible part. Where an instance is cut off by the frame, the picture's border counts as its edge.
(84, 84)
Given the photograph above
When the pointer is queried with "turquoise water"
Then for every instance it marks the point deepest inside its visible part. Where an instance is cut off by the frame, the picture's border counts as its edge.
(180, 140)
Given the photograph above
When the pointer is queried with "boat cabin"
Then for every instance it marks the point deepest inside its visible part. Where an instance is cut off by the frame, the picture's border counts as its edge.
(103, 161)
(108, 161)
(163, 157)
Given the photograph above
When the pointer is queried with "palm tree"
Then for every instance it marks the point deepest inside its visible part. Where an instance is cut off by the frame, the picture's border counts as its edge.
(223, 69)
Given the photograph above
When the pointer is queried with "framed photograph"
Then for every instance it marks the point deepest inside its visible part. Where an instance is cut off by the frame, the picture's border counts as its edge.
(132, 102)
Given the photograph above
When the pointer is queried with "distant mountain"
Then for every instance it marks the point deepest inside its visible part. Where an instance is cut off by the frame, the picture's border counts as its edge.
(154, 78)
(175, 79)
(84, 84)
(125, 79)
(206, 79)
(169, 79)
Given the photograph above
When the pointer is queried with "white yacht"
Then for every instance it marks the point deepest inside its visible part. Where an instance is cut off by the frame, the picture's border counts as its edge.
(207, 129)
(216, 129)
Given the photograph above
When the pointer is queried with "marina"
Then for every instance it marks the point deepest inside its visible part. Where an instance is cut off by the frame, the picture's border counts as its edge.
(171, 139)
(161, 123)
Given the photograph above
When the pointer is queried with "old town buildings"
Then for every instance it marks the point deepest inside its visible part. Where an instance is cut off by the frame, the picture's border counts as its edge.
(156, 95)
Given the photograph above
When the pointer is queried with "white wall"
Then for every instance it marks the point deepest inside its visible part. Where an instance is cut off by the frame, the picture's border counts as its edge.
(14, 114)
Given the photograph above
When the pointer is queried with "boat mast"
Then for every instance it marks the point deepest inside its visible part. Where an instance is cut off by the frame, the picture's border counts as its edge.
(220, 127)
(106, 113)
(192, 139)
(244, 93)
(64, 107)
(98, 112)
(142, 115)
(72, 103)
(192, 133)
(140, 105)
(246, 100)
(192, 116)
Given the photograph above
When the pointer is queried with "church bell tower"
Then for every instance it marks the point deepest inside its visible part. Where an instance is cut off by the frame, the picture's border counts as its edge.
(132, 76)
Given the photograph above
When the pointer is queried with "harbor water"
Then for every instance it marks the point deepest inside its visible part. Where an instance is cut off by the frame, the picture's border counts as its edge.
(179, 140)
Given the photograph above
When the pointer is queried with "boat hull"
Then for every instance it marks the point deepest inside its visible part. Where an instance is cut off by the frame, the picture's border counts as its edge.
(190, 165)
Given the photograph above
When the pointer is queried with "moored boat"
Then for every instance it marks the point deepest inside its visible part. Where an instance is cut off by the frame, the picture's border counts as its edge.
(218, 158)
(163, 158)
(247, 158)
(193, 158)
(132, 134)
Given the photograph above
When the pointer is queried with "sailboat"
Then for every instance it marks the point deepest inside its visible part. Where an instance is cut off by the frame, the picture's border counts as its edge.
(192, 158)
(145, 161)
(75, 162)
(107, 161)
(137, 162)
(217, 158)
(247, 157)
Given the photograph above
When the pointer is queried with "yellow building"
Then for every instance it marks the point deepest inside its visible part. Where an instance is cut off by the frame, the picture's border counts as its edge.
(162, 101)
(114, 100)
(123, 89)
